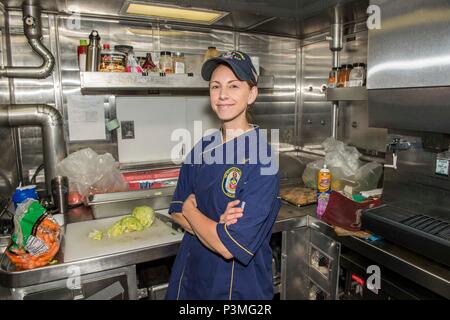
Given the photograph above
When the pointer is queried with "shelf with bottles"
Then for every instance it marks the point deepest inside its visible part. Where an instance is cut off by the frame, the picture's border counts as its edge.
(116, 81)
(347, 83)
(347, 94)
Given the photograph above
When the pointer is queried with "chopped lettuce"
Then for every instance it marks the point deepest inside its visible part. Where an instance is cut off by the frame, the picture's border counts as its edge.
(141, 218)
(115, 230)
(145, 215)
(131, 224)
(96, 235)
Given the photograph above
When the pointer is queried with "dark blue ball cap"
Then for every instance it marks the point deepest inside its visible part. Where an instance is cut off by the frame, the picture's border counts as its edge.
(239, 61)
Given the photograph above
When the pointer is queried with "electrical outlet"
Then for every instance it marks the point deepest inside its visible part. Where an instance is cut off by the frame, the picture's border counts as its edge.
(127, 129)
(442, 166)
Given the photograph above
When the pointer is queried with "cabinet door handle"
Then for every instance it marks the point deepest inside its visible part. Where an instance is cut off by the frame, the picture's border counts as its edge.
(315, 225)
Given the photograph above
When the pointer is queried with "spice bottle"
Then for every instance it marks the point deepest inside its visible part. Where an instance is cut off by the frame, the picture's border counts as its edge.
(179, 63)
(357, 75)
(332, 78)
(212, 52)
(166, 62)
(344, 75)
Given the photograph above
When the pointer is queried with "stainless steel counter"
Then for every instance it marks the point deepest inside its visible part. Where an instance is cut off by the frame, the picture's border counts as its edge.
(419, 269)
(288, 218)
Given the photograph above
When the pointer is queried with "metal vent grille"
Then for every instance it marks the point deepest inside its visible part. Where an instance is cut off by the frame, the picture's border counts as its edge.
(429, 225)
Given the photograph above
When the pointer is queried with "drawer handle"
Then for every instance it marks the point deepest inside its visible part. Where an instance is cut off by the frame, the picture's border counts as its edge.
(315, 226)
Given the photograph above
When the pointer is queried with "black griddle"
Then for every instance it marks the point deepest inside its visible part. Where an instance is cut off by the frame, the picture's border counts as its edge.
(425, 234)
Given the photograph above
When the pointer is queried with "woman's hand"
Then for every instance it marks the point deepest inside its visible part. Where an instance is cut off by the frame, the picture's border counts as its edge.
(232, 214)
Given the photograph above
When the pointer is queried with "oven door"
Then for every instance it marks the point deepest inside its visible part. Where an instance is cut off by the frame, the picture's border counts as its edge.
(358, 281)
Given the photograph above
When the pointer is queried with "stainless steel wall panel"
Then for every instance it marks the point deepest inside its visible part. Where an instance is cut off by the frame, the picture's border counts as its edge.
(276, 96)
(278, 57)
(418, 109)
(315, 125)
(8, 169)
(354, 117)
(414, 184)
(409, 66)
(357, 130)
(30, 90)
(21, 52)
(315, 121)
(274, 108)
(411, 49)
(69, 39)
(295, 253)
(4, 82)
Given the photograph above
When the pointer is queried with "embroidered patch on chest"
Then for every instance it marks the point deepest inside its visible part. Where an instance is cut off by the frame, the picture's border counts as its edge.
(230, 180)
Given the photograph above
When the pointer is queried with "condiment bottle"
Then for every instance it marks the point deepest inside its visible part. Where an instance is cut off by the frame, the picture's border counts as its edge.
(212, 52)
(344, 75)
(112, 61)
(357, 75)
(324, 179)
(166, 62)
(179, 64)
(332, 78)
(82, 54)
(149, 65)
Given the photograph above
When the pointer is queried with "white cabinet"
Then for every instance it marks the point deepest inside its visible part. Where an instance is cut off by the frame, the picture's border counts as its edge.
(151, 122)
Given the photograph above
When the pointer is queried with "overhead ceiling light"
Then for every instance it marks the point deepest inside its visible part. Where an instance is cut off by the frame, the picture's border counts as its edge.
(150, 32)
(173, 13)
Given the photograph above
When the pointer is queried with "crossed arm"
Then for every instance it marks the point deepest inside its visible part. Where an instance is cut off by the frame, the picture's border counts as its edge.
(195, 222)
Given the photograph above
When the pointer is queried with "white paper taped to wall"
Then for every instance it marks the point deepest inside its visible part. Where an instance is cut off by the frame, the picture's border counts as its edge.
(86, 118)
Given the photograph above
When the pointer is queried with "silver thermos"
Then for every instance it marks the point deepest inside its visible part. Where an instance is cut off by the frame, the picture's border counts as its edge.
(93, 52)
(60, 193)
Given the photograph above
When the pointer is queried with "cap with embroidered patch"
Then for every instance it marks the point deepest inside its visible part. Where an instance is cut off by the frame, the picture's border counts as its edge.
(238, 61)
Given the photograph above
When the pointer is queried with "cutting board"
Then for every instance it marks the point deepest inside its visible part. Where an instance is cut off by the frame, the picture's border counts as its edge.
(299, 196)
(78, 245)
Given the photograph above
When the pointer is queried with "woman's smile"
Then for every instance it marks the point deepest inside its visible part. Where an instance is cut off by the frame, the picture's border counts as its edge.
(230, 96)
(225, 107)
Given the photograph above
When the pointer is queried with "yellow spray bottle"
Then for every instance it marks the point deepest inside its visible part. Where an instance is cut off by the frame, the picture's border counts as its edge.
(324, 179)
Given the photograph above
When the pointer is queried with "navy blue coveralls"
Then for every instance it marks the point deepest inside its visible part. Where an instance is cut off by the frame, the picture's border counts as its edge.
(198, 273)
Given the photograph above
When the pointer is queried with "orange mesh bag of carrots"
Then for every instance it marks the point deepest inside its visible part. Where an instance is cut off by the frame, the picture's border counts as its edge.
(36, 237)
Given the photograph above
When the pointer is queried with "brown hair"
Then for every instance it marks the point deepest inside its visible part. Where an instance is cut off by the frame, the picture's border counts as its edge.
(248, 112)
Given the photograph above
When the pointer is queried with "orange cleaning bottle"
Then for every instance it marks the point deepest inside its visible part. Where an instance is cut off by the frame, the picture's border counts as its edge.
(324, 179)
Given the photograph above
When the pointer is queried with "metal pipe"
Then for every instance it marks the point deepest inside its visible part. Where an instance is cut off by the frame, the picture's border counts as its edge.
(336, 44)
(12, 100)
(336, 37)
(336, 60)
(33, 31)
(51, 122)
(335, 119)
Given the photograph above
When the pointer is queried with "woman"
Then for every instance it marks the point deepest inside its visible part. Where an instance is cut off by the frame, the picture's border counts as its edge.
(223, 201)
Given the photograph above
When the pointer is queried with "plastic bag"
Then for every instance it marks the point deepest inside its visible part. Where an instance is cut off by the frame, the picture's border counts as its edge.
(36, 239)
(367, 177)
(90, 173)
(346, 168)
(344, 158)
(310, 173)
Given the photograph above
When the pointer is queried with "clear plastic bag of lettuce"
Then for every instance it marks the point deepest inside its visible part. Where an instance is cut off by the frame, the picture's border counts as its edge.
(90, 173)
(344, 159)
(311, 172)
(368, 176)
(36, 239)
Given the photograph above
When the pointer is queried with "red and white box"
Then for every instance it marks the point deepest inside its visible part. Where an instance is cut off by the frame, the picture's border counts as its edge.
(152, 179)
